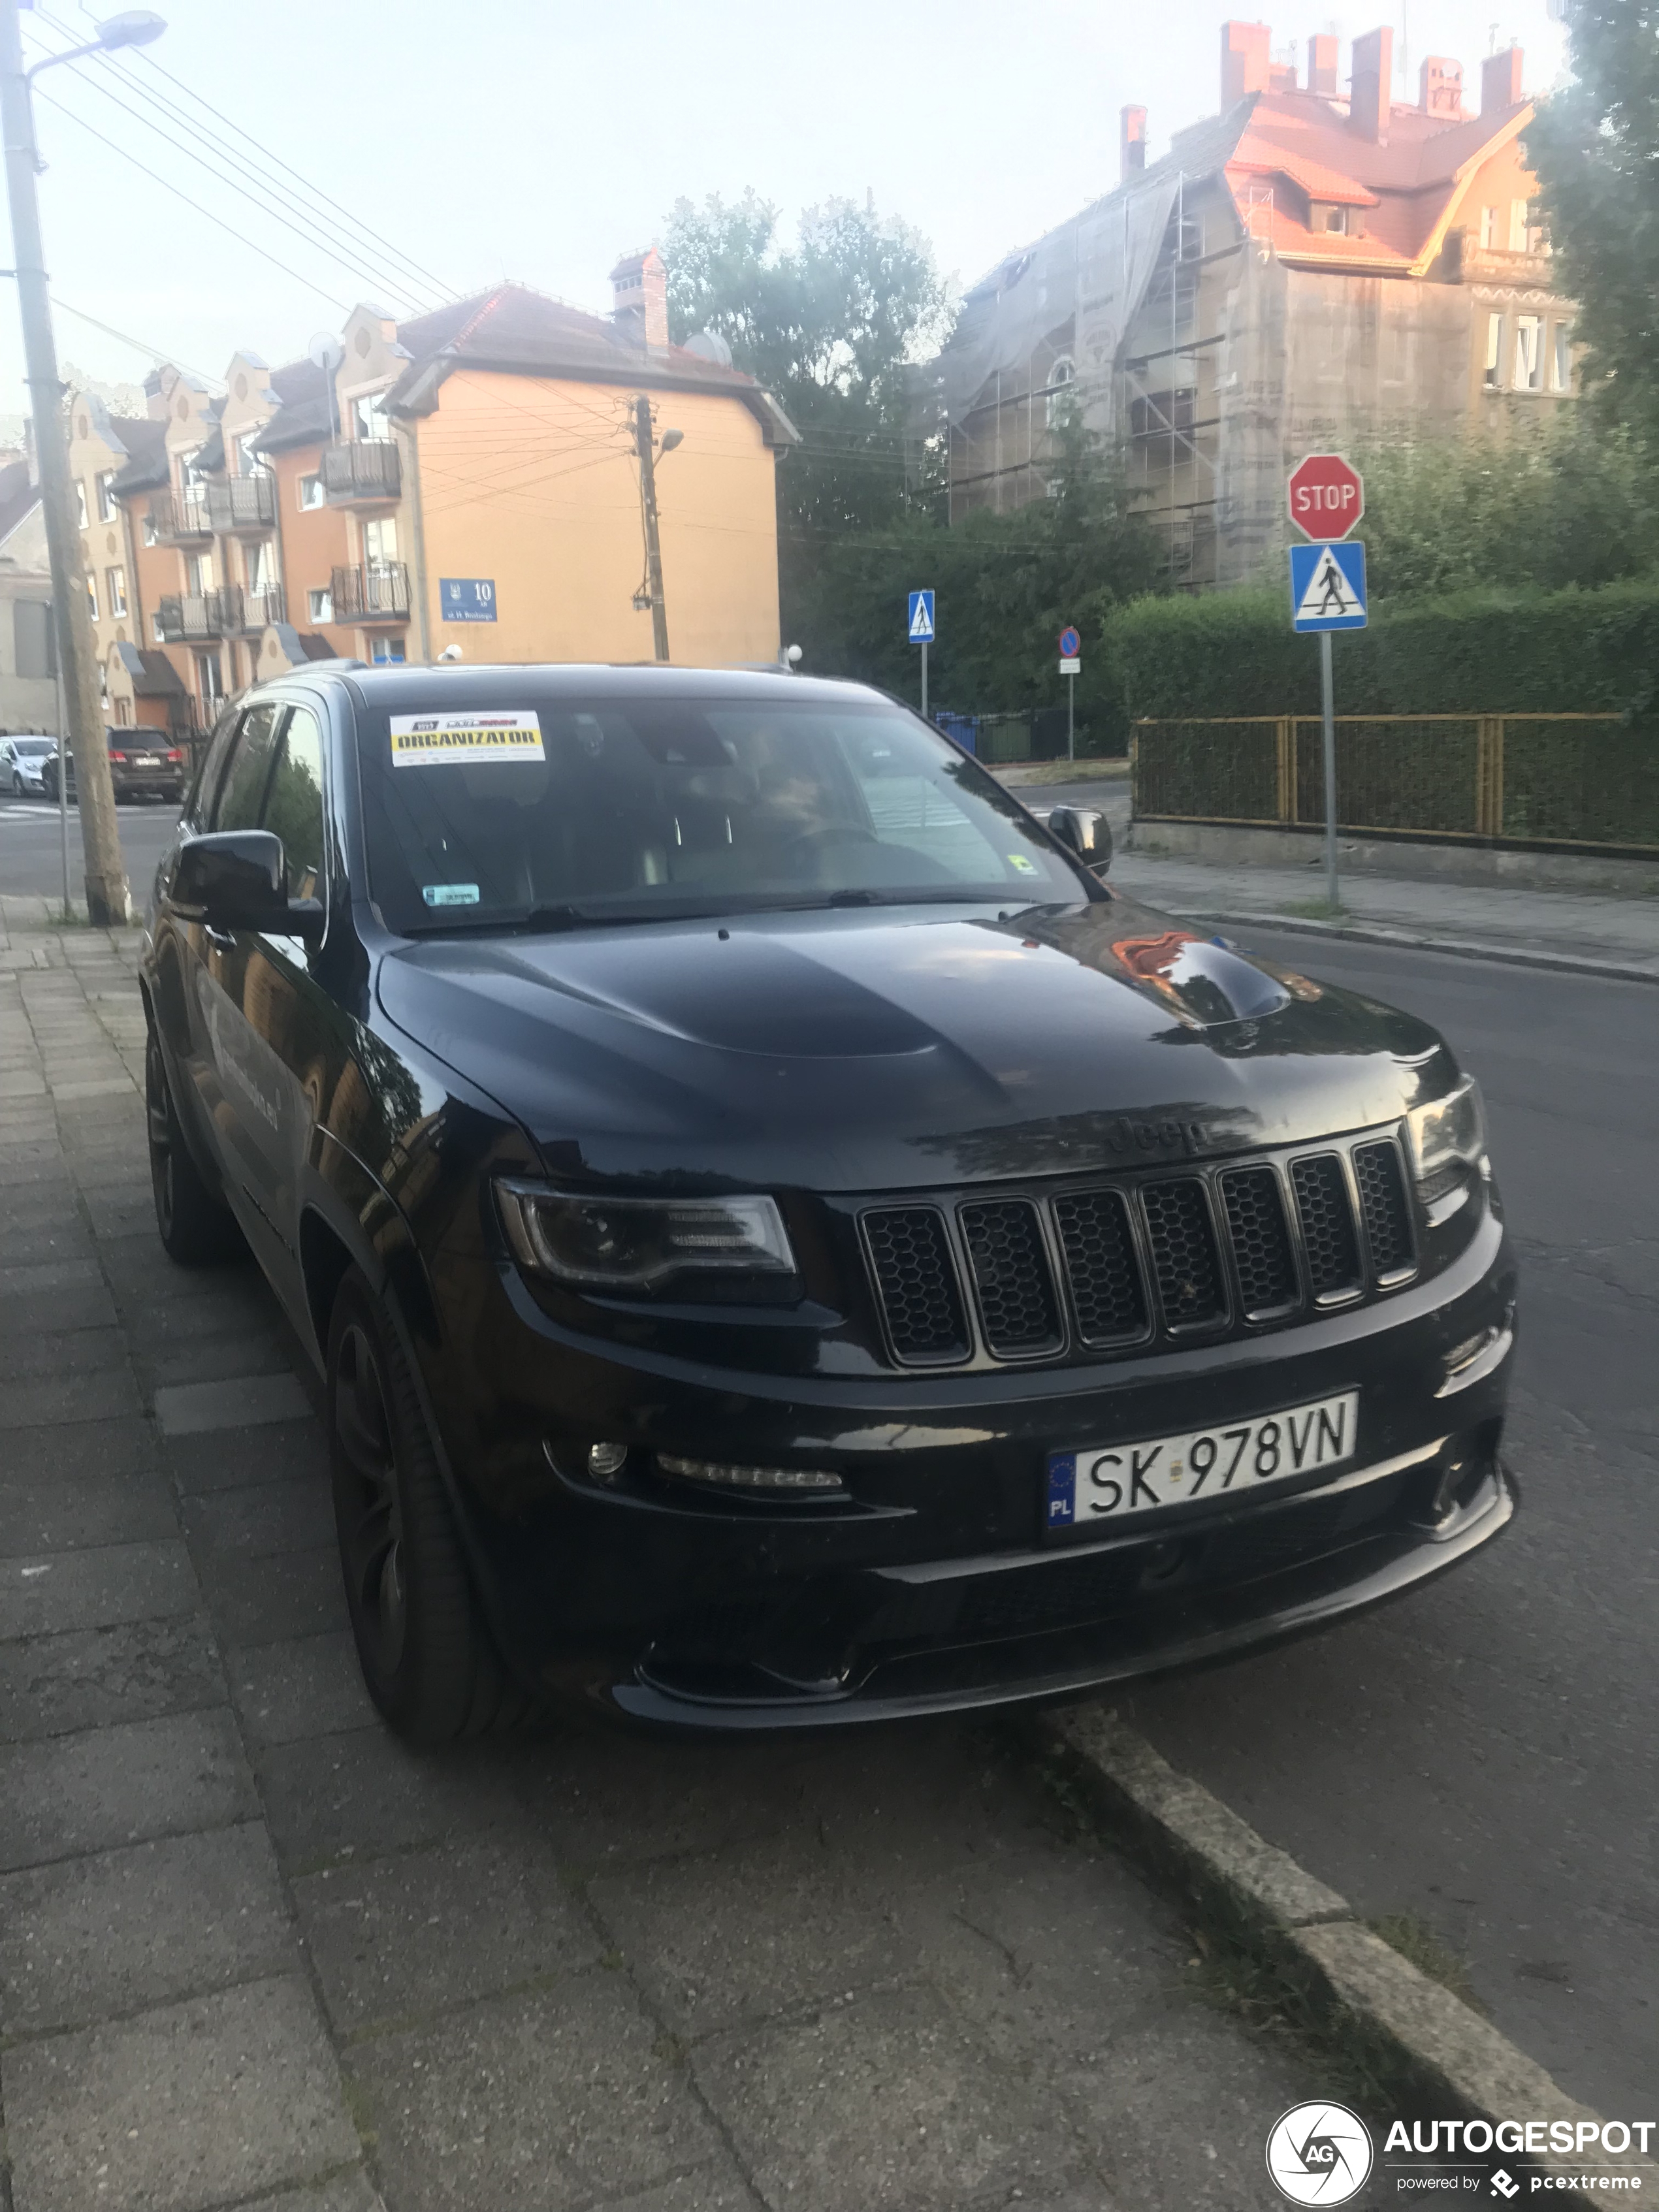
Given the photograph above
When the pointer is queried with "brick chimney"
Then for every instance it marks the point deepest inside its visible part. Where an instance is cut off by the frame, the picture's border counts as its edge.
(1440, 88)
(1245, 62)
(1371, 97)
(1500, 81)
(639, 293)
(1321, 64)
(1131, 142)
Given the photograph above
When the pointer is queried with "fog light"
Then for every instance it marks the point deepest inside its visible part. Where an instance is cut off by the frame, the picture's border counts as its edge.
(604, 1461)
(750, 1477)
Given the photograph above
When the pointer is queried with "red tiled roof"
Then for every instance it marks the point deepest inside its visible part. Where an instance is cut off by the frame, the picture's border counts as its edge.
(1404, 184)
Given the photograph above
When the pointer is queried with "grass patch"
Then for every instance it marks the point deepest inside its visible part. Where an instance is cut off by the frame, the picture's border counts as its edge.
(1415, 1940)
(1318, 910)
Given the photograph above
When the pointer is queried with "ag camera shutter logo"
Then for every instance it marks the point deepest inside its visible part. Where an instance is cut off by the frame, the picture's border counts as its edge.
(1319, 2154)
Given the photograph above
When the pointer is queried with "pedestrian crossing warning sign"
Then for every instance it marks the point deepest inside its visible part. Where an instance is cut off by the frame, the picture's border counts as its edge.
(922, 617)
(1327, 586)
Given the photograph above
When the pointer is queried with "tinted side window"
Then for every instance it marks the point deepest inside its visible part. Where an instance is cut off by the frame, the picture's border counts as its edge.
(293, 809)
(212, 768)
(242, 794)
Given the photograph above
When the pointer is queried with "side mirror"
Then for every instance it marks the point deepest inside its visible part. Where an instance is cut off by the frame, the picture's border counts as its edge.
(238, 880)
(1086, 831)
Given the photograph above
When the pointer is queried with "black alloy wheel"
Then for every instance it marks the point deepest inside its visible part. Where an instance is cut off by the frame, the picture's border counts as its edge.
(427, 1656)
(197, 1227)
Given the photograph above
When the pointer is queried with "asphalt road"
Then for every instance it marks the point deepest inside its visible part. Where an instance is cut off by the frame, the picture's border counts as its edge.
(1482, 1754)
(31, 859)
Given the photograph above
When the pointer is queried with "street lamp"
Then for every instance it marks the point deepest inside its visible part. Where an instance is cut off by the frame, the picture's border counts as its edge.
(108, 904)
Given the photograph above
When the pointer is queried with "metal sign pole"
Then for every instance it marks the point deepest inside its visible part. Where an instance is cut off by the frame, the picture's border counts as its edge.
(63, 782)
(924, 679)
(1328, 702)
(1071, 718)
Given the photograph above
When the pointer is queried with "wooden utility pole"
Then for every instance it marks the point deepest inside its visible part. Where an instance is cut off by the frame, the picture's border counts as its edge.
(643, 446)
(105, 873)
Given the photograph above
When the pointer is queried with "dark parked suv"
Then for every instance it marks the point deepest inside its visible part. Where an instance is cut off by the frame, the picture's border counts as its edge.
(142, 764)
(786, 1241)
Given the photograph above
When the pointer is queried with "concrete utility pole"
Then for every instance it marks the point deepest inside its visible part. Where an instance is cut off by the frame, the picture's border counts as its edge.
(644, 447)
(106, 874)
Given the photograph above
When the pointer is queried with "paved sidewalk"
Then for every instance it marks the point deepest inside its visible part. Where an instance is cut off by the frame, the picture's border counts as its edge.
(1599, 929)
(252, 1951)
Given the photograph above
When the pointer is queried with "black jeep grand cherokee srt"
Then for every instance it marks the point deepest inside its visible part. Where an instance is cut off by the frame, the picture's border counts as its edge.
(786, 1241)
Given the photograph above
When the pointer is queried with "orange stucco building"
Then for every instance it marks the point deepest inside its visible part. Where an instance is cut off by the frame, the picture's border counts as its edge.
(466, 481)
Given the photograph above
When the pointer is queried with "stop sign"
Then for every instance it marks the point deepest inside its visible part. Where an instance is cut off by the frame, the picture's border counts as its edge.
(1328, 496)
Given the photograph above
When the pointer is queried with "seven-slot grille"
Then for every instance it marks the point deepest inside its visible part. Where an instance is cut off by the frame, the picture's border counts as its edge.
(1162, 1257)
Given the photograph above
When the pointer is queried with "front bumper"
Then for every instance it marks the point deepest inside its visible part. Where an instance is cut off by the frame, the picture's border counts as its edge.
(933, 1588)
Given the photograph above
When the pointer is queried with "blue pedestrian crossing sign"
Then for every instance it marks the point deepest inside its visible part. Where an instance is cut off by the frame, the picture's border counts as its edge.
(922, 617)
(1327, 585)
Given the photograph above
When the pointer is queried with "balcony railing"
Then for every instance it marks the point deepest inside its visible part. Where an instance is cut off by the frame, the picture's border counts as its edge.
(176, 517)
(200, 617)
(269, 605)
(358, 474)
(378, 592)
(242, 504)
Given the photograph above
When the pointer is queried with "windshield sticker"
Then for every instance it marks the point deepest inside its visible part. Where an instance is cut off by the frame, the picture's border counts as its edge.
(1022, 864)
(450, 894)
(441, 740)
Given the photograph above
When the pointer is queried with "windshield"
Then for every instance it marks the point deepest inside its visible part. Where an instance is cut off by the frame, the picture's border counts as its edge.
(33, 745)
(596, 810)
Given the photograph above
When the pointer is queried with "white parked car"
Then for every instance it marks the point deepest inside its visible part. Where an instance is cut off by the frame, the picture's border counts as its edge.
(22, 759)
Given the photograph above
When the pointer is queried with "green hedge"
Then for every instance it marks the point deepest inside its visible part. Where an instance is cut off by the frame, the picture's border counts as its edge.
(1234, 653)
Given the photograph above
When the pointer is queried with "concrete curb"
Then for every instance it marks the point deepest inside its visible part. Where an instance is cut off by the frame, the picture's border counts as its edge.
(1356, 1988)
(1569, 964)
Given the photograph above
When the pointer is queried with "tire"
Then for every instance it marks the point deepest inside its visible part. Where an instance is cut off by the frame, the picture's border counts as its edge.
(195, 1226)
(427, 1658)
(16, 784)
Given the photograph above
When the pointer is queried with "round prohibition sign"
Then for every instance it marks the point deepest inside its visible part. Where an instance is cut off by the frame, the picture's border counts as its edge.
(1070, 643)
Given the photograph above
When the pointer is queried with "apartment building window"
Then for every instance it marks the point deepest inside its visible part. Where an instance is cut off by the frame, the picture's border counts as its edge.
(92, 597)
(1062, 377)
(80, 503)
(106, 509)
(157, 636)
(1489, 227)
(212, 683)
(380, 543)
(369, 417)
(248, 462)
(116, 582)
(386, 650)
(150, 538)
(1336, 222)
(1494, 376)
(124, 714)
(1520, 223)
(1530, 353)
(1561, 359)
(321, 606)
(311, 492)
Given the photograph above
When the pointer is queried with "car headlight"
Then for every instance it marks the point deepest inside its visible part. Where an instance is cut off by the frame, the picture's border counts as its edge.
(641, 1244)
(1445, 1135)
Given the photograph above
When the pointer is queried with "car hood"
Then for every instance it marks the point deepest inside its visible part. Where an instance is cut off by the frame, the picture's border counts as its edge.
(871, 1049)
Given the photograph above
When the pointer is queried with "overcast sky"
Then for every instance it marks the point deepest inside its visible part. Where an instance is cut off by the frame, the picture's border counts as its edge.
(540, 140)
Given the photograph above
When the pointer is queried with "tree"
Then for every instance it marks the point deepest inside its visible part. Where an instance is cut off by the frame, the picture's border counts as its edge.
(1595, 150)
(829, 326)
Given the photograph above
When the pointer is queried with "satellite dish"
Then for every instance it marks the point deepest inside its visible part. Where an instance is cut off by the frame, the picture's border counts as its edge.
(708, 345)
(325, 352)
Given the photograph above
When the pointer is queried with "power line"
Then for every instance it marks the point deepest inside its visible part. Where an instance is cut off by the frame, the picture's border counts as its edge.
(170, 360)
(179, 193)
(377, 278)
(267, 154)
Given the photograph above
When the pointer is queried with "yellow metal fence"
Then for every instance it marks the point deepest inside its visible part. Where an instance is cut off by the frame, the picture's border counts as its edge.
(1585, 781)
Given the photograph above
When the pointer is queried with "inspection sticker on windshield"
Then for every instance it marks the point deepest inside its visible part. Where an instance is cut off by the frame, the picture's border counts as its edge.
(441, 740)
(1086, 1488)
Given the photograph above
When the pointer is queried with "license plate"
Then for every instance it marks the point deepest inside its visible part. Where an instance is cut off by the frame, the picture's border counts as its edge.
(145, 760)
(1089, 1488)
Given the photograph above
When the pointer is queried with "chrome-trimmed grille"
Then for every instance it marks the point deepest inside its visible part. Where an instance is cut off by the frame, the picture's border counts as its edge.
(1156, 1259)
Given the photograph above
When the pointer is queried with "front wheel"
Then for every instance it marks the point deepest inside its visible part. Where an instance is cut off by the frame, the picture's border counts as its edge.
(197, 1227)
(16, 784)
(426, 1656)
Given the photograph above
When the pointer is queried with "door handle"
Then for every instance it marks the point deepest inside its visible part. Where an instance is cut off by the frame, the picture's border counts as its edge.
(224, 938)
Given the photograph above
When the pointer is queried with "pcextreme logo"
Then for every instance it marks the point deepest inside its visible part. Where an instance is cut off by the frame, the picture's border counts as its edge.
(1318, 2153)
